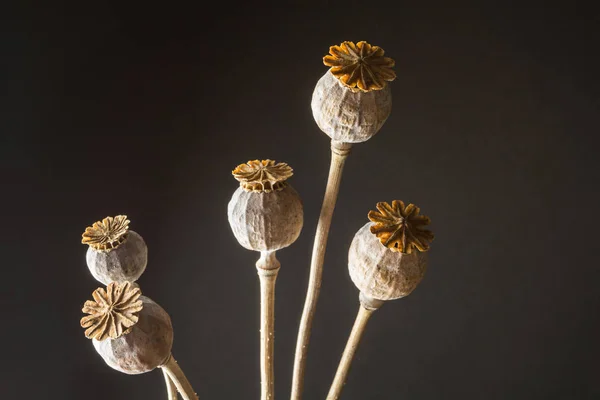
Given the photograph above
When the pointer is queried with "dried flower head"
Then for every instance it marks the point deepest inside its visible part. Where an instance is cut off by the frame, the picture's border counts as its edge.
(360, 66)
(400, 227)
(106, 234)
(113, 312)
(262, 176)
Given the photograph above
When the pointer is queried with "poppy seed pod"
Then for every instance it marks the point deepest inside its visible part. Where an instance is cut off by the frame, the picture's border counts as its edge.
(265, 213)
(131, 332)
(351, 102)
(115, 253)
(387, 257)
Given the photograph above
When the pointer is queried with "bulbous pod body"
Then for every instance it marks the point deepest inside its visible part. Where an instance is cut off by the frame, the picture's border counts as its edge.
(266, 221)
(127, 262)
(381, 273)
(349, 116)
(146, 347)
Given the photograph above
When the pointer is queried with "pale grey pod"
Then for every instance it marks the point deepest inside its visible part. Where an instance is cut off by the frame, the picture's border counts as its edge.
(263, 221)
(146, 347)
(381, 273)
(127, 262)
(349, 116)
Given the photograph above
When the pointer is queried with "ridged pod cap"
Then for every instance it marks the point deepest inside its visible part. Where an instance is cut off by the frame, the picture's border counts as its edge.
(115, 253)
(147, 345)
(113, 311)
(265, 213)
(390, 267)
(351, 102)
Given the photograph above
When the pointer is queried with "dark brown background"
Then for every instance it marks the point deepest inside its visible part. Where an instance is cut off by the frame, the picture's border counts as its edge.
(145, 110)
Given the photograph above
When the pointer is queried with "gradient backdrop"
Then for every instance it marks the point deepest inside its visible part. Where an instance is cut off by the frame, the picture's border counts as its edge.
(145, 110)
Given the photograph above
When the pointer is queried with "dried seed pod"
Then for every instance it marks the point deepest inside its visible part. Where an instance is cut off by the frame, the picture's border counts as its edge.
(351, 102)
(115, 253)
(265, 212)
(147, 342)
(382, 271)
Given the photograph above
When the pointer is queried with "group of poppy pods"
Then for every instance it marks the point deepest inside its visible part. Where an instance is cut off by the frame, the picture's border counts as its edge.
(387, 257)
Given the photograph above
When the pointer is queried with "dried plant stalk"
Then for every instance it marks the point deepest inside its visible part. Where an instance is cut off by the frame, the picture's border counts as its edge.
(178, 377)
(171, 388)
(358, 329)
(339, 152)
(265, 214)
(267, 268)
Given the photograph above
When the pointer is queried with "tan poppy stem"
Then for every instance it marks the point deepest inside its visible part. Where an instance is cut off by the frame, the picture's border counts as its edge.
(364, 313)
(339, 152)
(267, 267)
(171, 388)
(178, 377)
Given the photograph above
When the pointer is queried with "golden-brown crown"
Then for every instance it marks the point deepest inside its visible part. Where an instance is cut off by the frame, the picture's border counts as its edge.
(107, 234)
(113, 312)
(262, 176)
(400, 227)
(360, 66)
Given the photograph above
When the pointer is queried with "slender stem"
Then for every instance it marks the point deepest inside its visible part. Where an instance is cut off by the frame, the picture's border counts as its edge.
(355, 336)
(339, 152)
(171, 388)
(178, 377)
(267, 267)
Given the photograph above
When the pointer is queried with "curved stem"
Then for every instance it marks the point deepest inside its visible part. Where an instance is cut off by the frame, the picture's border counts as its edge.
(342, 372)
(267, 267)
(171, 388)
(178, 377)
(339, 152)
